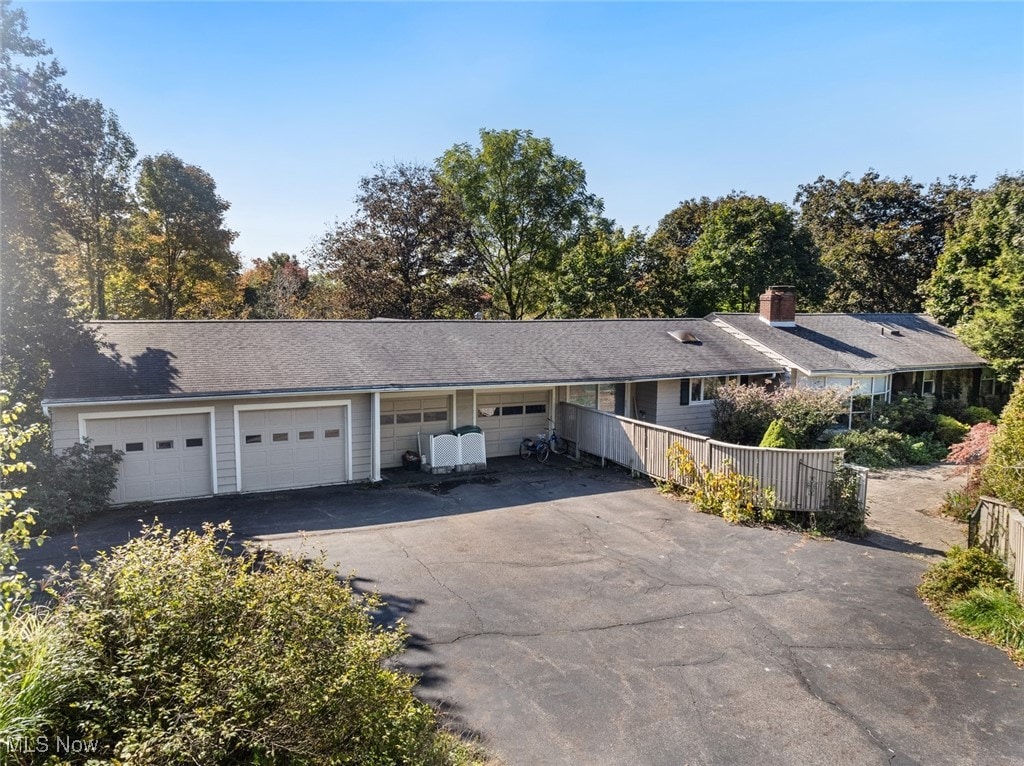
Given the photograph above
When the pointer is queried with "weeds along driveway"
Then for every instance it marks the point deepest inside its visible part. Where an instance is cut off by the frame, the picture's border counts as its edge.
(576, 616)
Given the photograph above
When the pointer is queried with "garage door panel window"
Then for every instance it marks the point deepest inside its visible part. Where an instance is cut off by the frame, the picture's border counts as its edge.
(332, 433)
(165, 444)
(254, 438)
(134, 447)
(195, 441)
(387, 419)
(307, 435)
(404, 418)
(436, 416)
(280, 437)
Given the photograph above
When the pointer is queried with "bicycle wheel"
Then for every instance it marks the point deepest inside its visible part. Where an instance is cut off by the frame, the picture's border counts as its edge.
(559, 445)
(542, 452)
(525, 448)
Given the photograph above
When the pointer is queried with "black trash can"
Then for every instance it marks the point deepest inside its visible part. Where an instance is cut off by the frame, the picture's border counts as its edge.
(467, 430)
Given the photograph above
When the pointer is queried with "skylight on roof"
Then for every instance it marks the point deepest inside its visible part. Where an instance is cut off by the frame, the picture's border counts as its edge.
(683, 336)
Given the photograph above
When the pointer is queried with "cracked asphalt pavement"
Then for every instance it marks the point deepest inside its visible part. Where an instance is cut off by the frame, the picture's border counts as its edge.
(573, 615)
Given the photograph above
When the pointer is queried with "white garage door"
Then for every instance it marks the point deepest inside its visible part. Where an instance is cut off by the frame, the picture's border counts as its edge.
(402, 419)
(506, 418)
(166, 457)
(294, 447)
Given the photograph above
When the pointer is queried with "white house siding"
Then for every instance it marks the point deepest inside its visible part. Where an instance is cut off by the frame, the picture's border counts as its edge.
(697, 418)
(65, 428)
(464, 408)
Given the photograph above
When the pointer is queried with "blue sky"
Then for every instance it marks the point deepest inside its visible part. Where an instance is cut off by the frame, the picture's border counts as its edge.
(287, 105)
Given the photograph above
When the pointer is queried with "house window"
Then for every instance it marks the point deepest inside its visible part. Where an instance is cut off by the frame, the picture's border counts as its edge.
(928, 383)
(194, 442)
(253, 438)
(306, 435)
(332, 433)
(167, 444)
(598, 396)
(694, 390)
(133, 447)
(988, 382)
(280, 437)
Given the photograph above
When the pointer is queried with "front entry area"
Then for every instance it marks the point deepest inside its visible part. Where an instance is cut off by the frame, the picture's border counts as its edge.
(282, 447)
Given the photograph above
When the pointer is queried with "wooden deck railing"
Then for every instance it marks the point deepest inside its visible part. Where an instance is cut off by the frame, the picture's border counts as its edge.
(800, 477)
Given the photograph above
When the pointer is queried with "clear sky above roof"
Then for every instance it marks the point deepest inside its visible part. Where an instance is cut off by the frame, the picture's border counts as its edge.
(286, 105)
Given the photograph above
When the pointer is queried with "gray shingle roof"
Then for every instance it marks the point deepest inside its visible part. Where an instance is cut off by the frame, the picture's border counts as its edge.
(147, 359)
(852, 343)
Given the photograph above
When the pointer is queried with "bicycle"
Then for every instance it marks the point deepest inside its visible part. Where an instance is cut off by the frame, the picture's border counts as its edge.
(537, 447)
(556, 443)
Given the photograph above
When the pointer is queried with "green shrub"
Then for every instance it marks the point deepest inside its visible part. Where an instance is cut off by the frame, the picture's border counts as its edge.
(203, 657)
(40, 672)
(882, 448)
(908, 414)
(974, 415)
(1003, 473)
(778, 436)
(961, 571)
(845, 514)
(958, 504)
(992, 614)
(723, 492)
(949, 431)
(744, 413)
(71, 486)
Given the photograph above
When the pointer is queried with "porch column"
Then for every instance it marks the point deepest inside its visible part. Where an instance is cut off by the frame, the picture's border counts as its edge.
(375, 436)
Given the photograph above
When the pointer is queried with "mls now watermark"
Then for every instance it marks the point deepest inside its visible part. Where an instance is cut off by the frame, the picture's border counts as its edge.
(56, 745)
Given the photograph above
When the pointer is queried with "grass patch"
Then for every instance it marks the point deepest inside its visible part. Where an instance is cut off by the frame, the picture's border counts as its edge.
(970, 589)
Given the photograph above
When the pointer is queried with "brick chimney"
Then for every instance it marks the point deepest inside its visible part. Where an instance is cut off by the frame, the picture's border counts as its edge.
(778, 306)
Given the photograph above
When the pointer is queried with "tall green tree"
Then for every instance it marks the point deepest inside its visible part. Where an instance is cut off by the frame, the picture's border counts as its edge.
(95, 192)
(745, 245)
(879, 237)
(978, 283)
(182, 261)
(599, 277)
(402, 254)
(36, 315)
(526, 207)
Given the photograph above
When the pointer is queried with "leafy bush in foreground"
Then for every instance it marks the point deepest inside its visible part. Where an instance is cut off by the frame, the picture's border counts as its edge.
(975, 415)
(201, 657)
(962, 570)
(971, 589)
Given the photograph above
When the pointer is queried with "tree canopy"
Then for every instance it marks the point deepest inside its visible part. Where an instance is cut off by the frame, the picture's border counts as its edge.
(879, 238)
(525, 207)
(402, 254)
(978, 283)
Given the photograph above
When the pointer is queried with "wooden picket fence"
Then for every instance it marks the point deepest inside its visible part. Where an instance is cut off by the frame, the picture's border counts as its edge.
(800, 477)
(999, 528)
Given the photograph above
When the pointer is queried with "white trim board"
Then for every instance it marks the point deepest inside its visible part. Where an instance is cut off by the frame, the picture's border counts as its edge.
(346, 403)
(208, 411)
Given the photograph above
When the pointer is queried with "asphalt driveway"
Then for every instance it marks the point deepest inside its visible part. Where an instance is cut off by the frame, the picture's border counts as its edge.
(573, 615)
